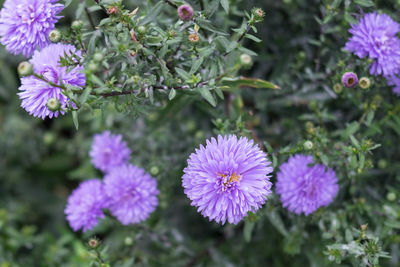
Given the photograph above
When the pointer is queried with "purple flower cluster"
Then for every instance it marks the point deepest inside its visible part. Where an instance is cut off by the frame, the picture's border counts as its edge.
(227, 179)
(127, 191)
(375, 37)
(35, 92)
(304, 188)
(26, 24)
(109, 151)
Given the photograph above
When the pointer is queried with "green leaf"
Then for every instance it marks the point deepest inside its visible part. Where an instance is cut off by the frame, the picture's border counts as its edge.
(247, 230)
(75, 119)
(225, 5)
(355, 142)
(205, 92)
(364, 3)
(196, 65)
(252, 37)
(184, 75)
(247, 82)
(172, 94)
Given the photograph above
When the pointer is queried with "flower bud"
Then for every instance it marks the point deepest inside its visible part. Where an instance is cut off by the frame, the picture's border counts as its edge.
(93, 243)
(154, 170)
(337, 88)
(246, 60)
(391, 196)
(142, 29)
(308, 145)
(258, 14)
(128, 241)
(185, 12)
(364, 83)
(25, 68)
(98, 57)
(55, 36)
(53, 104)
(92, 67)
(349, 79)
(112, 10)
(194, 37)
(77, 25)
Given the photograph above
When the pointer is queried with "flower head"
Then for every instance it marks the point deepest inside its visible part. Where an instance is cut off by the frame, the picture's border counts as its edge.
(303, 188)
(349, 79)
(394, 80)
(375, 37)
(227, 178)
(35, 92)
(26, 24)
(85, 204)
(109, 151)
(185, 12)
(132, 193)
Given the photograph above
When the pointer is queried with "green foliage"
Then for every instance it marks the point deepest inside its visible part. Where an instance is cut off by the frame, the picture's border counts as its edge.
(166, 95)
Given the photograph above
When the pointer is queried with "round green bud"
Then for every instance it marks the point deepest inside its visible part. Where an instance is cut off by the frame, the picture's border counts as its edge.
(53, 104)
(382, 164)
(142, 29)
(55, 36)
(128, 241)
(49, 138)
(308, 145)
(98, 57)
(338, 88)
(93, 67)
(364, 83)
(77, 25)
(25, 68)
(246, 60)
(313, 104)
(391, 196)
(154, 170)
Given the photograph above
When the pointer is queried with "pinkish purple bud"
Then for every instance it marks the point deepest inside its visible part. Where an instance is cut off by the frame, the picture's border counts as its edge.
(349, 79)
(185, 12)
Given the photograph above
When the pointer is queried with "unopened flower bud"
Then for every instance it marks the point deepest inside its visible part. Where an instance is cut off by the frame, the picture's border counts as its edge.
(92, 67)
(142, 29)
(93, 243)
(349, 79)
(391, 196)
(77, 25)
(258, 14)
(128, 241)
(364, 83)
(382, 164)
(25, 68)
(337, 88)
(53, 104)
(246, 60)
(364, 227)
(194, 38)
(112, 10)
(55, 36)
(154, 170)
(185, 12)
(98, 57)
(308, 145)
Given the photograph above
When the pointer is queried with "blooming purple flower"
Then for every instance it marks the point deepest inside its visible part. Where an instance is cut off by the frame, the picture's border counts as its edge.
(109, 151)
(349, 79)
(132, 193)
(394, 80)
(227, 178)
(375, 37)
(303, 188)
(35, 92)
(85, 204)
(185, 12)
(26, 24)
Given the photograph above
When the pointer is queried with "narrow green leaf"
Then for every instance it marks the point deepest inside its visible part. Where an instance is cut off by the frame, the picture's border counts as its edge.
(247, 82)
(205, 93)
(247, 230)
(75, 119)
(172, 94)
(225, 5)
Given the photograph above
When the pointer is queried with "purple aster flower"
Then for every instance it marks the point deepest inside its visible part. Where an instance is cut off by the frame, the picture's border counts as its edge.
(349, 79)
(185, 12)
(375, 37)
(132, 193)
(35, 92)
(227, 178)
(304, 188)
(109, 151)
(85, 204)
(394, 80)
(26, 24)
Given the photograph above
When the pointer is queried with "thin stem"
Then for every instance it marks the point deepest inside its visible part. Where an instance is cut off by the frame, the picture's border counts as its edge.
(89, 15)
(241, 36)
(40, 77)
